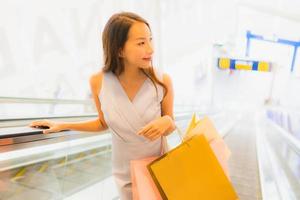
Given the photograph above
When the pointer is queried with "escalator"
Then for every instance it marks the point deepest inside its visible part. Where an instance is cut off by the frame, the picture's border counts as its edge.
(73, 165)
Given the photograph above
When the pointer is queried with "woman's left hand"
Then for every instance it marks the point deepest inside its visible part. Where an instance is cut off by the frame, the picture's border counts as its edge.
(156, 128)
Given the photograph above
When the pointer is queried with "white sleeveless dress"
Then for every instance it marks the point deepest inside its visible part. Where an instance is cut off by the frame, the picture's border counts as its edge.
(125, 119)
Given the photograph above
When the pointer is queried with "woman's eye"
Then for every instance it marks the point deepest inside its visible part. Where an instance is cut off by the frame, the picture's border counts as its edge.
(141, 43)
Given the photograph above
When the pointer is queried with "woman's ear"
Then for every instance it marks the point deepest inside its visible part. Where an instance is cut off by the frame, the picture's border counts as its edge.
(121, 53)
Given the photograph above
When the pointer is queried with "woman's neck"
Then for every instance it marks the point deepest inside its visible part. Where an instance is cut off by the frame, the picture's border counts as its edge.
(131, 74)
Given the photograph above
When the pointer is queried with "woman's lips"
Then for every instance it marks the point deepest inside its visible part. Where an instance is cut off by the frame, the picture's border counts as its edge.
(147, 59)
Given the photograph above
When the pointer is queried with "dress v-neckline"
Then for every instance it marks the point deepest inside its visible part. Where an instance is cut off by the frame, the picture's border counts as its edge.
(125, 93)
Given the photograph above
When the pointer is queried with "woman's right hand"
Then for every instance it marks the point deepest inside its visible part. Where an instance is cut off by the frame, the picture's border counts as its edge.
(53, 127)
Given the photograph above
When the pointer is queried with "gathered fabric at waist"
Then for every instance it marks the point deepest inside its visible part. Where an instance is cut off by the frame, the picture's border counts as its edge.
(118, 142)
(123, 152)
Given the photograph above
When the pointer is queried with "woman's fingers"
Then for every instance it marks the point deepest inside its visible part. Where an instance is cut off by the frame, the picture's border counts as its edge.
(155, 135)
(149, 132)
(145, 129)
(51, 127)
(50, 130)
(40, 123)
(35, 123)
(152, 134)
(44, 124)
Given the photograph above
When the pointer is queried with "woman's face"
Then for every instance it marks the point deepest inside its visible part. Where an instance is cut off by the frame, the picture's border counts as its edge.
(138, 49)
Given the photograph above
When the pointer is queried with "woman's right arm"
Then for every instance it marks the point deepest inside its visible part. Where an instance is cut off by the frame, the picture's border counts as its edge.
(97, 124)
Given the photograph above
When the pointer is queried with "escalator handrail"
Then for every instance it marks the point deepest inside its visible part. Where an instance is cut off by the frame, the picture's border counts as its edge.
(44, 100)
(293, 142)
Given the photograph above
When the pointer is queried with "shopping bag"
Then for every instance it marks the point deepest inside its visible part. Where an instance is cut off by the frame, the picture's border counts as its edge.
(203, 126)
(222, 153)
(206, 127)
(192, 124)
(191, 171)
(143, 187)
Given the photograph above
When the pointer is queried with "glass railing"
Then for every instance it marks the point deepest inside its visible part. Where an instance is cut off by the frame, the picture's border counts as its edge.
(73, 165)
(278, 151)
(59, 168)
(286, 119)
(12, 108)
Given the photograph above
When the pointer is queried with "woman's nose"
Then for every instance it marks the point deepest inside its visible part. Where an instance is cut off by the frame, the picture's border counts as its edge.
(150, 49)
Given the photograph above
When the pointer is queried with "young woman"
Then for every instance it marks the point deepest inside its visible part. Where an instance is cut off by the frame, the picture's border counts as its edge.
(133, 99)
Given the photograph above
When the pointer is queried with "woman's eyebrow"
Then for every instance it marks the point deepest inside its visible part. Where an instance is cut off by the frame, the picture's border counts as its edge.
(142, 38)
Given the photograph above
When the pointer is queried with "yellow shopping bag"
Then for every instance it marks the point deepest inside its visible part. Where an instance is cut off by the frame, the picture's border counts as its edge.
(206, 127)
(191, 171)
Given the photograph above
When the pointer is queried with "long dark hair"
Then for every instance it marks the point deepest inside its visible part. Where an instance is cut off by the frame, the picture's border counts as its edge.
(114, 36)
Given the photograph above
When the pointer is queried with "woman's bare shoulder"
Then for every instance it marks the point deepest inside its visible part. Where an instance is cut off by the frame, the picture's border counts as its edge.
(166, 78)
(96, 81)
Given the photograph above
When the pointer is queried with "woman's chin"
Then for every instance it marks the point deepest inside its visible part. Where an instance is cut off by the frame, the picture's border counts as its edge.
(145, 66)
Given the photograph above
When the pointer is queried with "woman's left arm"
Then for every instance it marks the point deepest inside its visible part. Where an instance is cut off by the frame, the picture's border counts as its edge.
(165, 124)
(167, 104)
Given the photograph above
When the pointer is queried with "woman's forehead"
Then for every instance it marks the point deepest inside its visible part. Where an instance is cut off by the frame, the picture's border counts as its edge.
(139, 30)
